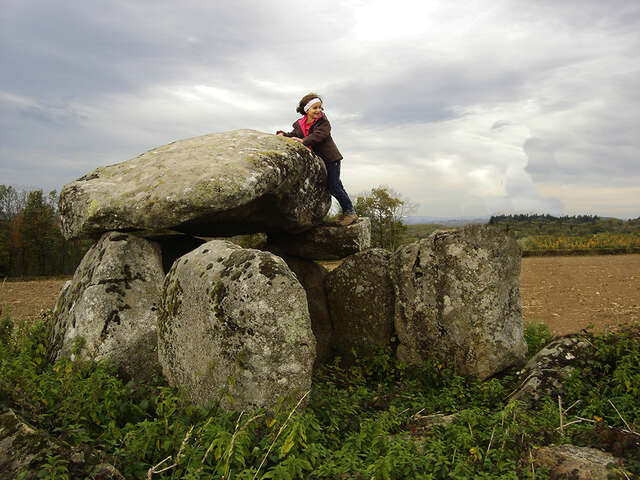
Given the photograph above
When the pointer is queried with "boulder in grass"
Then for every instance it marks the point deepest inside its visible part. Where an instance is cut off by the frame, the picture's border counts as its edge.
(108, 311)
(241, 181)
(547, 371)
(578, 463)
(235, 328)
(24, 450)
(458, 300)
(361, 303)
(324, 242)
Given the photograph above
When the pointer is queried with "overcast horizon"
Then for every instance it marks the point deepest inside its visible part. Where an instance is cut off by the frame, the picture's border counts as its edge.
(467, 108)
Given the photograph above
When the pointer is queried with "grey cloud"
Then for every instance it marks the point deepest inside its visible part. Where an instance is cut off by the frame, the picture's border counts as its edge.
(92, 82)
(428, 93)
(93, 47)
(500, 123)
(541, 158)
(620, 15)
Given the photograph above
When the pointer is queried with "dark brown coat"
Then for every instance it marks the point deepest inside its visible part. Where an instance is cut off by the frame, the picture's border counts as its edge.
(319, 139)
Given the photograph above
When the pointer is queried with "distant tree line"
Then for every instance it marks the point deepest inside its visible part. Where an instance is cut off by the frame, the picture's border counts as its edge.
(31, 243)
(542, 218)
(522, 225)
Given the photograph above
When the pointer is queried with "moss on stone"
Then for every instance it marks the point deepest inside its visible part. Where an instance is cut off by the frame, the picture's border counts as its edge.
(173, 299)
(270, 268)
(236, 259)
(217, 295)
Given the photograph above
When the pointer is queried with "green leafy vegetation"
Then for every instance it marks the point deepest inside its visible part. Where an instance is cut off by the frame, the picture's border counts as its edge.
(537, 336)
(385, 209)
(373, 420)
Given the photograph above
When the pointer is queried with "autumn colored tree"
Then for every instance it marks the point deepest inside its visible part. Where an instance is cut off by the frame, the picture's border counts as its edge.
(12, 203)
(31, 242)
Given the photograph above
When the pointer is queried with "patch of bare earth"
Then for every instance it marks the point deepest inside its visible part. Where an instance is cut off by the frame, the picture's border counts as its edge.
(25, 300)
(566, 293)
(572, 293)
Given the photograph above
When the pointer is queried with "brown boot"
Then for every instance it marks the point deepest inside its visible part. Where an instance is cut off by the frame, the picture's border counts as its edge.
(348, 219)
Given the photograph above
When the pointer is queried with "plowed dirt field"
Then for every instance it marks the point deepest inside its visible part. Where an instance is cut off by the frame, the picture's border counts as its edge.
(572, 293)
(566, 293)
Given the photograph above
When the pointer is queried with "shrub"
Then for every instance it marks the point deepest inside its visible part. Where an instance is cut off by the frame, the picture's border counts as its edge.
(537, 335)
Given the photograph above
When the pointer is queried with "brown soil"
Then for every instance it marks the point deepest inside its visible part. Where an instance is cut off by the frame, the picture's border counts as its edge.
(24, 300)
(572, 293)
(566, 293)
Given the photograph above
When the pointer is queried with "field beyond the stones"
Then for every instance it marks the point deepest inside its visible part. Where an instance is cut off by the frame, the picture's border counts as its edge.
(571, 293)
(565, 293)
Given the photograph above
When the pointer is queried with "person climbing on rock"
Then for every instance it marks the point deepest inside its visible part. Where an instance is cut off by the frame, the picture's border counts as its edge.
(313, 130)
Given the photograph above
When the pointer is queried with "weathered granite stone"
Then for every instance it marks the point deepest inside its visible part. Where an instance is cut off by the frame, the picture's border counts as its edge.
(361, 303)
(568, 462)
(324, 242)
(458, 299)
(219, 184)
(545, 373)
(21, 446)
(312, 275)
(109, 309)
(24, 449)
(235, 327)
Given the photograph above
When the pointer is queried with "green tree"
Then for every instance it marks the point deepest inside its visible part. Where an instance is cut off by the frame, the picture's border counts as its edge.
(386, 209)
(39, 228)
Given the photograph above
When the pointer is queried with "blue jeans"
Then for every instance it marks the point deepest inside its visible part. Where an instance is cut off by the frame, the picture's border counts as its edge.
(335, 187)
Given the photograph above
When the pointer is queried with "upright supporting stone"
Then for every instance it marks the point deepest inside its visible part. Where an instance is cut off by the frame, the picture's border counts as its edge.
(361, 302)
(109, 310)
(235, 328)
(311, 276)
(458, 300)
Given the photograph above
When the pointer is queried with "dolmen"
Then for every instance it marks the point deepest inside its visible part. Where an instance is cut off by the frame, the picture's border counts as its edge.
(163, 290)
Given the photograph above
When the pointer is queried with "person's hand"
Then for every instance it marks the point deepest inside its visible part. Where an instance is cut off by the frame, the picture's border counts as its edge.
(299, 140)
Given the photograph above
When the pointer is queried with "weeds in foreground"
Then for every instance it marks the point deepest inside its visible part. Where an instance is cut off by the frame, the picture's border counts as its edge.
(373, 420)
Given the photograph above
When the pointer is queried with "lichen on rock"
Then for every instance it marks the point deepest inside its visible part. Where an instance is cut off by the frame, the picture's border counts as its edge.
(545, 374)
(226, 183)
(108, 311)
(361, 303)
(235, 328)
(458, 300)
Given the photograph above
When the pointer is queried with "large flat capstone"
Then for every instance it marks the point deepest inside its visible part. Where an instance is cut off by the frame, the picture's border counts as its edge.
(229, 183)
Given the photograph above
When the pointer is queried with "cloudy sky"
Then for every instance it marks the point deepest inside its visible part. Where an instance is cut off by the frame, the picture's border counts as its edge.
(467, 108)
